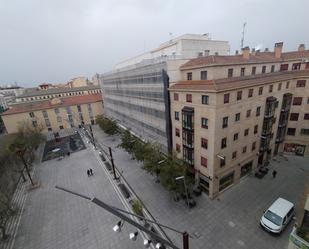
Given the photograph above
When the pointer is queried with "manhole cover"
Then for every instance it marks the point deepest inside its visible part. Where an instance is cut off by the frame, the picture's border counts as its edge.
(241, 243)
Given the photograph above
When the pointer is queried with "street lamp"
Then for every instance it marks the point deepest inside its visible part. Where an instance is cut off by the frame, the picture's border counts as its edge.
(147, 243)
(184, 182)
(118, 227)
(133, 236)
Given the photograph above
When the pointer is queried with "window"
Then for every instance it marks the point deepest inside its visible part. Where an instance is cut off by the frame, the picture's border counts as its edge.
(204, 143)
(189, 98)
(177, 147)
(287, 84)
(234, 155)
(253, 70)
(272, 69)
(297, 100)
(248, 113)
(301, 83)
(61, 127)
(31, 114)
(246, 132)
(306, 116)
(256, 127)
(279, 86)
(222, 162)
(177, 132)
(34, 123)
(235, 136)
(296, 66)
(284, 67)
(250, 93)
(176, 115)
(308, 101)
(304, 131)
(205, 99)
(264, 69)
(244, 149)
(204, 161)
(79, 109)
(291, 131)
(226, 98)
(225, 122)
(230, 73)
(258, 111)
(223, 143)
(239, 95)
(205, 123)
(203, 75)
(294, 116)
(59, 119)
(253, 146)
(237, 117)
(242, 71)
(49, 129)
(270, 89)
(189, 76)
(57, 111)
(176, 96)
(260, 90)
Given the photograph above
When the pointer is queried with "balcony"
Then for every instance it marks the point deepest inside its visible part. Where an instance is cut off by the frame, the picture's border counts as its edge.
(296, 241)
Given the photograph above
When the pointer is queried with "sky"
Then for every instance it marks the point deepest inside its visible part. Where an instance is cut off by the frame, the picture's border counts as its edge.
(56, 40)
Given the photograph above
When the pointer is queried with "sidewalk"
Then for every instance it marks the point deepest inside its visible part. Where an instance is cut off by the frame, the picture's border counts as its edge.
(232, 220)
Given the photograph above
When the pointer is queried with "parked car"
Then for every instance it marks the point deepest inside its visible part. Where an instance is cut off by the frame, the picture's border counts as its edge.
(277, 216)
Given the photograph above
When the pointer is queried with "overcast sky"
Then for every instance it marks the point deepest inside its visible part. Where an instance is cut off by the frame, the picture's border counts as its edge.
(56, 40)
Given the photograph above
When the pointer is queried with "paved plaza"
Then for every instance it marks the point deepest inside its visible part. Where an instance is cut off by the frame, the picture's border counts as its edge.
(230, 221)
(53, 219)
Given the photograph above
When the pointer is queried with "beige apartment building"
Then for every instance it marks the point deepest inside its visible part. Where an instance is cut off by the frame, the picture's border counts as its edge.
(55, 114)
(232, 114)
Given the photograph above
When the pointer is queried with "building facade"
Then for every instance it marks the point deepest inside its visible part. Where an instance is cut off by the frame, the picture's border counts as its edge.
(136, 94)
(231, 114)
(59, 92)
(56, 114)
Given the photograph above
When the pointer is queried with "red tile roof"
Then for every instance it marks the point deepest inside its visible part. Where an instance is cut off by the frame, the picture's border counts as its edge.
(43, 105)
(259, 57)
(237, 82)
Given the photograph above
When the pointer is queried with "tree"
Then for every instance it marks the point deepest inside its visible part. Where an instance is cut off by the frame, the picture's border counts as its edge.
(152, 157)
(137, 207)
(109, 126)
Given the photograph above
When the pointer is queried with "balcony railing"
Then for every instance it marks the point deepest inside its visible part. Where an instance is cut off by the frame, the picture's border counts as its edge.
(297, 241)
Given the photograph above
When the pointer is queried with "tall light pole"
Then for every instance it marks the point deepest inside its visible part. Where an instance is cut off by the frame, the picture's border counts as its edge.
(186, 190)
(119, 213)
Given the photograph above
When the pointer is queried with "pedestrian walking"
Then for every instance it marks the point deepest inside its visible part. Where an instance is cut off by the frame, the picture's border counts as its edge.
(88, 172)
(91, 172)
(274, 173)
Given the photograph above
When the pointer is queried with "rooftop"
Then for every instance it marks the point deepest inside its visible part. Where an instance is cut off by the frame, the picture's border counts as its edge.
(237, 82)
(50, 104)
(39, 92)
(258, 57)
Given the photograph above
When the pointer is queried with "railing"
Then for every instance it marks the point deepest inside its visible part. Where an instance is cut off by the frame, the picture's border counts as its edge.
(296, 241)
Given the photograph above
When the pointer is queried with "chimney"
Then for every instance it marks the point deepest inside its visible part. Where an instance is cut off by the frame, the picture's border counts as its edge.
(266, 50)
(253, 51)
(278, 49)
(246, 53)
(301, 47)
(236, 52)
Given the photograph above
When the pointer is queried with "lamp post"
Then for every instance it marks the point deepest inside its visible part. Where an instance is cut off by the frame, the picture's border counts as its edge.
(184, 182)
(120, 214)
(21, 153)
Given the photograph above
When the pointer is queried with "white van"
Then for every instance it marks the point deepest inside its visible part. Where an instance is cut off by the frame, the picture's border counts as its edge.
(277, 216)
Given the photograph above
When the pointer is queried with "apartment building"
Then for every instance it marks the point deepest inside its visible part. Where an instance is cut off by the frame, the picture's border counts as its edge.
(58, 92)
(135, 93)
(231, 114)
(56, 114)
